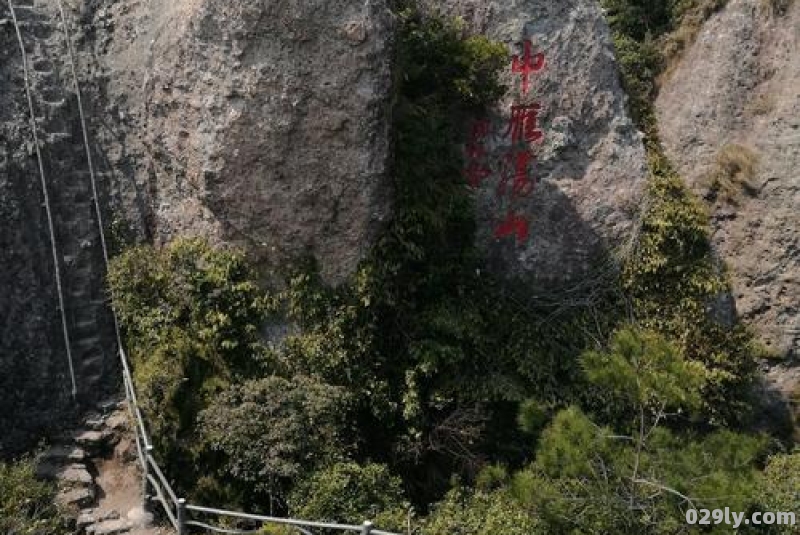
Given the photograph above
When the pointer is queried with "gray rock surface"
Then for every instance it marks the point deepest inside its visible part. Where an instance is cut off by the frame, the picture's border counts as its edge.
(739, 86)
(34, 386)
(590, 167)
(259, 123)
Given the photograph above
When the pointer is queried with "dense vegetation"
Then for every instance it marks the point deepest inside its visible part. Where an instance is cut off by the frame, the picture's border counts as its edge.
(426, 393)
(26, 505)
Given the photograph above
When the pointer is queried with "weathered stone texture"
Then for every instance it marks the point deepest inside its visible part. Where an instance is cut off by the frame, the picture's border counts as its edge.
(739, 85)
(264, 124)
(591, 166)
(34, 385)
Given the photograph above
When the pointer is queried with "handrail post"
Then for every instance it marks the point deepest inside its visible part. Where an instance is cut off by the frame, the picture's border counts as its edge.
(181, 516)
(148, 451)
(367, 528)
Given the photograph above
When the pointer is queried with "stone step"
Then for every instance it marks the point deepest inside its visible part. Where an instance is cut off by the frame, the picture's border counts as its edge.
(92, 441)
(77, 261)
(42, 65)
(83, 207)
(92, 302)
(32, 48)
(81, 271)
(77, 474)
(57, 137)
(84, 228)
(76, 497)
(89, 342)
(78, 222)
(95, 422)
(54, 100)
(86, 325)
(46, 83)
(95, 379)
(94, 363)
(92, 516)
(74, 193)
(74, 474)
(85, 518)
(55, 106)
(26, 14)
(50, 122)
(40, 31)
(88, 346)
(110, 527)
(64, 454)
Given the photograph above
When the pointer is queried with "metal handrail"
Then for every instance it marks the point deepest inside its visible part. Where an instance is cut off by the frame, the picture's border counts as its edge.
(163, 480)
(47, 205)
(222, 530)
(274, 520)
(365, 529)
(160, 496)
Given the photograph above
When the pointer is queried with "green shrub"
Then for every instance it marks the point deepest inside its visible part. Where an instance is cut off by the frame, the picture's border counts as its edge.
(672, 279)
(27, 506)
(779, 489)
(273, 431)
(191, 315)
(350, 493)
(464, 512)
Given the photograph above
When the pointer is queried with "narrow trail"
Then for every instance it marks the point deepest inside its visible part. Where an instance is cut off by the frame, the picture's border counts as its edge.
(98, 476)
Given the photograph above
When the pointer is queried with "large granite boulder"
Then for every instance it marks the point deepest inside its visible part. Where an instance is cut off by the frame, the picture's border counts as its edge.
(570, 186)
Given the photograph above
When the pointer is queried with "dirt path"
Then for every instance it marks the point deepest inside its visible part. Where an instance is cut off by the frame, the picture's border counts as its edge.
(119, 485)
(97, 472)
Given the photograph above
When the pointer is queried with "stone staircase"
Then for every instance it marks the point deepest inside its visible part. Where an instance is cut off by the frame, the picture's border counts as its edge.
(86, 465)
(68, 175)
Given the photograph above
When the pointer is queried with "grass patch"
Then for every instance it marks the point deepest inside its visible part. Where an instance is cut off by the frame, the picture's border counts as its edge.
(777, 7)
(733, 174)
(763, 104)
(27, 506)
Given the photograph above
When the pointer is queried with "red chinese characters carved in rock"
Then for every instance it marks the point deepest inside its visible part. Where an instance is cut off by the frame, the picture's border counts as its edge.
(516, 171)
(519, 161)
(513, 225)
(523, 126)
(528, 64)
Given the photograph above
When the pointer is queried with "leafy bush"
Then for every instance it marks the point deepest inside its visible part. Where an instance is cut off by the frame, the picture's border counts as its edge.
(673, 280)
(273, 431)
(640, 475)
(348, 492)
(27, 506)
(191, 315)
(464, 512)
(779, 488)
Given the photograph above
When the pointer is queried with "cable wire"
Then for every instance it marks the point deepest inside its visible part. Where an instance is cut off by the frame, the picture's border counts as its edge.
(48, 209)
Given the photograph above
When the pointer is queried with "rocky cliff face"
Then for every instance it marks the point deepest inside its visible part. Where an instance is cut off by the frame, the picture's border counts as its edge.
(33, 372)
(554, 199)
(729, 116)
(264, 124)
(40, 381)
